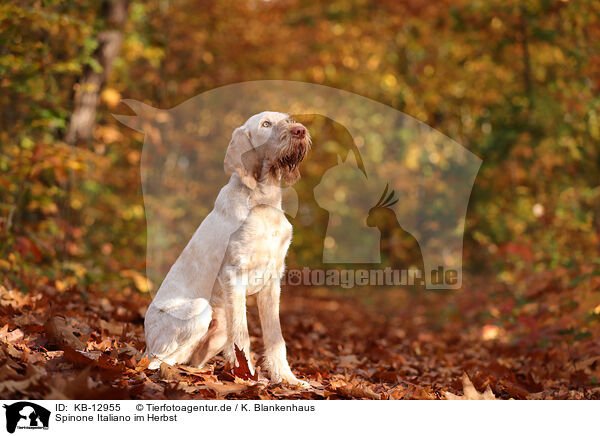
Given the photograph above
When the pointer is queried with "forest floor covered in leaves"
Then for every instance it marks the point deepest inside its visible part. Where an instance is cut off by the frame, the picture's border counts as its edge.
(381, 344)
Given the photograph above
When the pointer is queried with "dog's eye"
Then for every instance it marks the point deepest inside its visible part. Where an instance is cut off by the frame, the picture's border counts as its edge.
(266, 124)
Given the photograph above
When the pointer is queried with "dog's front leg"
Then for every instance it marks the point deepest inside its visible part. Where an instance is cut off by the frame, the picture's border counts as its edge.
(275, 359)
(237, 325)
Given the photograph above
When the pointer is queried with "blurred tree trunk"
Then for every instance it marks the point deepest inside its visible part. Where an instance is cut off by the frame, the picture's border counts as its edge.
(87, 91)
(87, 95)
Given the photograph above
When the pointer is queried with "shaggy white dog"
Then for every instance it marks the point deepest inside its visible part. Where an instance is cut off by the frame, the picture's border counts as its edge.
(238, 250)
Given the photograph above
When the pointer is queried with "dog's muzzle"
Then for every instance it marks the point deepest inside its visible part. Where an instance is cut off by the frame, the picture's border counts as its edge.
(298, 141)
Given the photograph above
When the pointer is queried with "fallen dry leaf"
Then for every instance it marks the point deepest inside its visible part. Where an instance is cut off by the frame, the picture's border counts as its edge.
(226, 388)
(62, 334)
(470, 393)
(242, 369)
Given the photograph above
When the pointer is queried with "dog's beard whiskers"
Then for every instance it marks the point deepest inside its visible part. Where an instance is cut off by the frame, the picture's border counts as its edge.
(294, 154)
(291, 156)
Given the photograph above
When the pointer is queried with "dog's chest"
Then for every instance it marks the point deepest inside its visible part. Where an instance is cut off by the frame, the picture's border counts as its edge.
(257, 250)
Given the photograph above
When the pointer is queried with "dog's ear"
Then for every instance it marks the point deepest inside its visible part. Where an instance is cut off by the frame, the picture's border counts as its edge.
(242, 158)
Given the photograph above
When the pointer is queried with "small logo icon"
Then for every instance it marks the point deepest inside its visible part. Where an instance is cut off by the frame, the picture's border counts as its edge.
(26, 415)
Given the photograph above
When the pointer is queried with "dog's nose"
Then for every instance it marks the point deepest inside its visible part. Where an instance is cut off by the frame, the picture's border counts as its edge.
(299, 131)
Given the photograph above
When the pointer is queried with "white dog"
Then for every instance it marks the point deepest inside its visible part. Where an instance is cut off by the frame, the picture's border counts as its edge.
(238, 250)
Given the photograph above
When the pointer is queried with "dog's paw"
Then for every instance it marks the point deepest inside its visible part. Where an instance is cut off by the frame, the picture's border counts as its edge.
(279, 370)
(154, 364)
(291, 380)
(286, 375)
(297, 382)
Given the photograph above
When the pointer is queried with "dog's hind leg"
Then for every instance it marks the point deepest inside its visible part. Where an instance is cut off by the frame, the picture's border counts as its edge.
(173, 329)
(213, 341)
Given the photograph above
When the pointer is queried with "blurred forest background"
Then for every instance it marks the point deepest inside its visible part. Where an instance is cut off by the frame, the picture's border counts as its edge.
(515, 82)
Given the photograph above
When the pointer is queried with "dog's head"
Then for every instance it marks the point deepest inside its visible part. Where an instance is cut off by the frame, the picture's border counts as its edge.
(270, 145)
